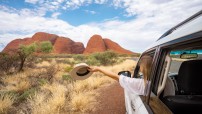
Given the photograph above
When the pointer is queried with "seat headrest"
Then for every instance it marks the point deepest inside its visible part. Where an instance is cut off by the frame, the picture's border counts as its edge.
(190, 77)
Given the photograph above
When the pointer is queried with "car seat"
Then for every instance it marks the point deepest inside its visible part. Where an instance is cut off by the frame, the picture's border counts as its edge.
(189, 82)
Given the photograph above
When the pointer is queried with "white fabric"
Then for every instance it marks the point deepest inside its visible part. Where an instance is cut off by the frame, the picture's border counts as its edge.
(132, 85)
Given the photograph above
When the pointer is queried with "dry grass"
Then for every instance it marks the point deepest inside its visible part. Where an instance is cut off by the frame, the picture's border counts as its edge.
(71, 97)
(22, 85)
(17, 82)
(43, 64)
(6, 101)
(91, 83)
(83, 94)
(83, 101)
(49, 103)
(14, 78)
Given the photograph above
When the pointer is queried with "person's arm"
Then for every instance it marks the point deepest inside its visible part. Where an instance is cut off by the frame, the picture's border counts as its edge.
(106, 72)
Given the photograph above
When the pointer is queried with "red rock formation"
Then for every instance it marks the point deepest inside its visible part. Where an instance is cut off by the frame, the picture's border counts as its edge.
(66, 45)
(42, 36)
(78, 48)
(60, 44)
(110, 45)
(95, 44)
(14, 45)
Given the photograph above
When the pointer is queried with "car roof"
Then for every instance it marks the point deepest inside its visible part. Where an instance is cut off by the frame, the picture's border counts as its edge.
(189, 26)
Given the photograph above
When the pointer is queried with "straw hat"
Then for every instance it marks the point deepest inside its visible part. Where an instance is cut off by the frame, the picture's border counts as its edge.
(80, 72)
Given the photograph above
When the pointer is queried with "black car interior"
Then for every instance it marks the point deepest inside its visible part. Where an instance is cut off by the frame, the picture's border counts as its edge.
(188, 89)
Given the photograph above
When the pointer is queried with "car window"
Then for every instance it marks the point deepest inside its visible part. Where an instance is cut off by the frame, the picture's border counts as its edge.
(183, 81)
(177, 60)
(143, 68)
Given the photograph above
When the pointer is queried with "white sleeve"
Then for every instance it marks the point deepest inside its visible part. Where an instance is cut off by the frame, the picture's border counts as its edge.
(132, 85)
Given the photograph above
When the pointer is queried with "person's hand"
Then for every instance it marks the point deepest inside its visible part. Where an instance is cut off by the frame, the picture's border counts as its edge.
(94, 69)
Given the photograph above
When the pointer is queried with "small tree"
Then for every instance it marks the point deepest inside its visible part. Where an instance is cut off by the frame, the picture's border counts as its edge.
(46, 46)
(24, 52)
(8, 63)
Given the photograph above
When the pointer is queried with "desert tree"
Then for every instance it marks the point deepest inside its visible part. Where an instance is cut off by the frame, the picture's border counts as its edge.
(24, 52)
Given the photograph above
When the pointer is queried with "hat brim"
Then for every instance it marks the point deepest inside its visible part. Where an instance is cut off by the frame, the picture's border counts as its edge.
(75, 75)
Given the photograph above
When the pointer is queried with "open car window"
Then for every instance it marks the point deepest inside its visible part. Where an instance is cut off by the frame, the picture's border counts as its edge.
(179, 56)
(183, 88)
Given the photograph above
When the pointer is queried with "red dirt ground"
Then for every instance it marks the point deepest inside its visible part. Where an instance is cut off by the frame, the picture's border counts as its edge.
(111, 100)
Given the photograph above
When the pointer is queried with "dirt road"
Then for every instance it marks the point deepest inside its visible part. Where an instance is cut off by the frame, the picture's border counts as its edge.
(111, 100)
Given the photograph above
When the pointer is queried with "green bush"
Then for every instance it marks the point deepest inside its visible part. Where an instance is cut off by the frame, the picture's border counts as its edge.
(66, 77)
(80, 58)
(46, 46)
(105, 58)
(71, 63)
(68, 68)
(92, 61)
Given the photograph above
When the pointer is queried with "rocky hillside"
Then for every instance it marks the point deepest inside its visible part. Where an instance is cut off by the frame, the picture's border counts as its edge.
(63, 45)
(98, 44)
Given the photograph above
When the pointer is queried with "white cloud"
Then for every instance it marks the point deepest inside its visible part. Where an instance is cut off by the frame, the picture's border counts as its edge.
(153, 18)
(55, 15)
(32, 1)
(100, 1)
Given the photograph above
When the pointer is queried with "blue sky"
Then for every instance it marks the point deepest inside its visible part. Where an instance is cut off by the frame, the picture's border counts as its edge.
(134, 24)
(86, 13)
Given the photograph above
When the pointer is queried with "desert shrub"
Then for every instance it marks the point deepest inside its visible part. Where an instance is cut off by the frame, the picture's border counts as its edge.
(50, 72)
(124, 55)
(92, 61)
(55, 56)
(71, 63)
(45, 46)
(80, 58)
(31, 61)
(49, 100)
(8, 63)
(106, 58)
(83, 102)
(67, 78)
(68, 68)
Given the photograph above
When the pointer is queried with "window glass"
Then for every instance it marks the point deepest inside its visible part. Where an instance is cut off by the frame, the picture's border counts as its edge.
(183, 81)
(177, 58)
(143, 68)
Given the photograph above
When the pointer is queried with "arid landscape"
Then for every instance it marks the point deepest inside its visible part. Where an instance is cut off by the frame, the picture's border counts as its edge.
(41, 41)
(43, 84)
